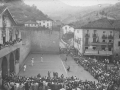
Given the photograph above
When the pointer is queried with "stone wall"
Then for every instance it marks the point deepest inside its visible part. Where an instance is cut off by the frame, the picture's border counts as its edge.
(45, 41)
(25, 47)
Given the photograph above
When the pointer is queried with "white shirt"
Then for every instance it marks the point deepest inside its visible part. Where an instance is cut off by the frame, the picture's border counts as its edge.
(24, 66)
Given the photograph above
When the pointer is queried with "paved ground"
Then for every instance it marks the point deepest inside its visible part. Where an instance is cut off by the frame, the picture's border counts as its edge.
(76, 70)
(54, 63)
(51, 63)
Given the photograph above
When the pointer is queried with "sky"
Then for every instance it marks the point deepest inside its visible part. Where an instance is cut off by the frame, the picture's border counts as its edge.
(78, 2)
(88, 2)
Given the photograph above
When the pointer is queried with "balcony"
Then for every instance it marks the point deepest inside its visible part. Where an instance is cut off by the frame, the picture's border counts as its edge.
(7, 48)
(91, 52)
(105, 53)
(100, 43)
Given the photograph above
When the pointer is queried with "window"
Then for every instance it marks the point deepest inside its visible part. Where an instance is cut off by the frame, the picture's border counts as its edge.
(103, 48)
(94, 30)
(119, 35)
(48, 24)
(116, 54)
(109, 49)
(77, 31)
(110, 40)
(119, 43)
(103, 31)
(86, 47)
(103, 41)
(94, 48)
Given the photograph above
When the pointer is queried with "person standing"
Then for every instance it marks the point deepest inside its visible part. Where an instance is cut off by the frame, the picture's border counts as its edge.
(49, 74)
(41, 59)
(32, 61)
(25, 67)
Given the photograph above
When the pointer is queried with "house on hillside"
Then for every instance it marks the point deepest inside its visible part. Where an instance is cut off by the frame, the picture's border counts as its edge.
(97, 39)
(67, 28)
(47, 23)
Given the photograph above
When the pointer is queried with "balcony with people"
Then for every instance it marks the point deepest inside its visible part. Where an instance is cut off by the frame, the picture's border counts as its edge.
(91, 50)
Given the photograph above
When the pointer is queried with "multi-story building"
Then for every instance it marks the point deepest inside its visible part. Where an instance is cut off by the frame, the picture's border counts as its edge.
(45, 23)
(12, 50)
(99, 39)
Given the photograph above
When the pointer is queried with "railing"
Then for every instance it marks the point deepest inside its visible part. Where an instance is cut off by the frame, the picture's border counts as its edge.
(10, 43)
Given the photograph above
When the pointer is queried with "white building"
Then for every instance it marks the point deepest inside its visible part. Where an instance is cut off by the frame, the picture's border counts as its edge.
(45, 23)
(78, 37)
(67, 28)
(31, 24)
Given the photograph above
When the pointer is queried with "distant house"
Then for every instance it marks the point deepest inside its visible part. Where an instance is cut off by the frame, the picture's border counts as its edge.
(67, 28)
(47, 23)
(31, 24)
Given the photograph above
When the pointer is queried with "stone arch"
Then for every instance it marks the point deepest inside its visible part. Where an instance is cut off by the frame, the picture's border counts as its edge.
(4, 67)
(17, 55)
(11, 63)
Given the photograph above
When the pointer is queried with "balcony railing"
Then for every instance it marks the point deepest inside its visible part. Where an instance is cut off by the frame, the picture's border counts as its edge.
(89, 51)
(97, 52)
(10, 43)
(105, 53)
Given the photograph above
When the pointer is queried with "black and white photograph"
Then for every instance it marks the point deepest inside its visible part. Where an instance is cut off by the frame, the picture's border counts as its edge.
(59, 44)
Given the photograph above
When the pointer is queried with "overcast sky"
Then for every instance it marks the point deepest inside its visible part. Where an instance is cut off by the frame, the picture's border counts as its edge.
(88, 2)
(77, 2)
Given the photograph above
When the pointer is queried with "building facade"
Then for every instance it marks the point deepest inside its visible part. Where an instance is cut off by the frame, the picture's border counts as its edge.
(98, 39)
(67, 28)
(12, 50)
(45, 23)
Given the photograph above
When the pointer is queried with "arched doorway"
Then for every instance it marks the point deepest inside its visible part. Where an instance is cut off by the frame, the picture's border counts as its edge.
(11, 63)
(17, 56)
(4, 67)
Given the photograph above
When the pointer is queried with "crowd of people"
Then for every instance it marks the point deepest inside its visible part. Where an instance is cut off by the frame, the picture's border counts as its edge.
(102, 71)
(5, 44)
(14, 82)
(108, 78)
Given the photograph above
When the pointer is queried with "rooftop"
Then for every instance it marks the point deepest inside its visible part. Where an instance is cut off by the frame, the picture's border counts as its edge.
(2, 8)
(103, 23)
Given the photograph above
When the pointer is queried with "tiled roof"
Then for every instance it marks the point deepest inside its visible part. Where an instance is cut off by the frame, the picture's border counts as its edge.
(103, 23)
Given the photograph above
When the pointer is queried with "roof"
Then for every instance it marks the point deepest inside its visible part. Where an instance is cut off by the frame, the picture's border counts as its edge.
(48, 19)
(71, 25)
(2, 8)
(103, 23)
(30, 22)
(116, 24)
(5, 10)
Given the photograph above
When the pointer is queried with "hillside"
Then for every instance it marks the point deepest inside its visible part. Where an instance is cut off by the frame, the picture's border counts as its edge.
(22, 12)
(110, 12)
